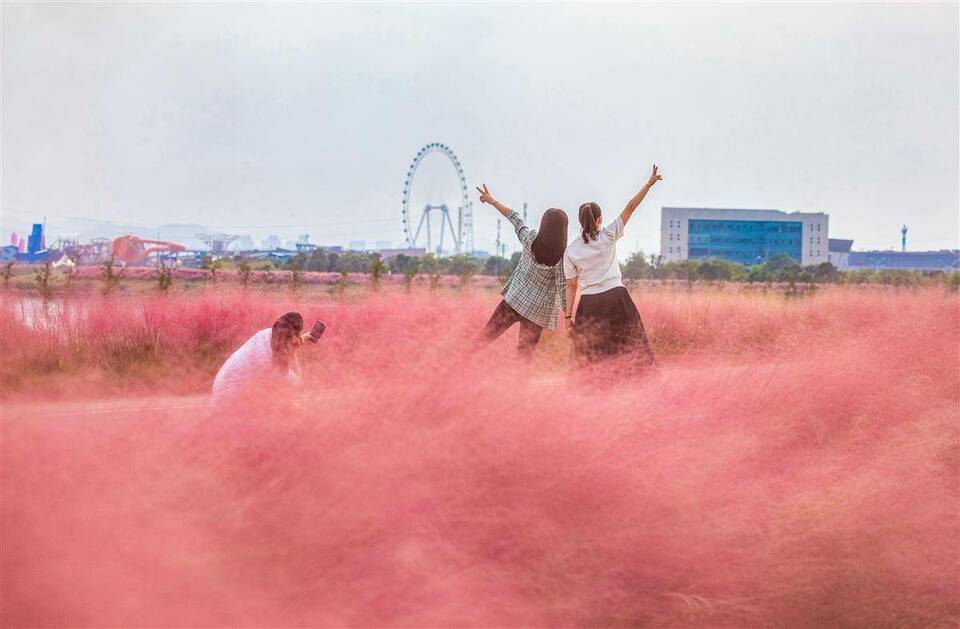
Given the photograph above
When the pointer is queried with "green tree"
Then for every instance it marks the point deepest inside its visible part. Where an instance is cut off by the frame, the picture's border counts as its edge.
(295, 266)
(397, 263)
(464, 267)
(298, 261)
(69, 275)
(376, 269)
(636, 267)
(243, 272)
(714, 270)
(681, 270)
(860, 276)
(497, 266)
(333, 262)
(353, 262)
(267, 274)
(111, 272)
(952, 281)
(164, 278)
(7, 274)
(783, 268)
(211, 266)
(409, 266)
(430, 265)
(43, 278)
(409, 273)
(758, 273)
(898, 277)
(825, 273)
(318, 261)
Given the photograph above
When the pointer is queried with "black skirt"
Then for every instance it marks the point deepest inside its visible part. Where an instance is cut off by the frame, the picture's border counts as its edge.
(608, 325)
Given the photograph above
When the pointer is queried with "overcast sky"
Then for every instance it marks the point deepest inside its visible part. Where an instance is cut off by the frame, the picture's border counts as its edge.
(291, 118)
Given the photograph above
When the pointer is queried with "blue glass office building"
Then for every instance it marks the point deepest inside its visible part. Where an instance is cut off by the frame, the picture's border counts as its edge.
(742, 236)
(746, 242)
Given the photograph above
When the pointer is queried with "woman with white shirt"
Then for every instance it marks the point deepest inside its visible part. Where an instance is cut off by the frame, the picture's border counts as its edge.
(607, 322)
(266, 365)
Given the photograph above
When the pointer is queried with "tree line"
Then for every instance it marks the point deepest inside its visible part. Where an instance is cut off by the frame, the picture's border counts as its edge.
(779, 268)
(371, 262)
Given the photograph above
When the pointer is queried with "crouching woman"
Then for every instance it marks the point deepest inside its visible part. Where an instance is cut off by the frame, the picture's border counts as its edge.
(266, 362)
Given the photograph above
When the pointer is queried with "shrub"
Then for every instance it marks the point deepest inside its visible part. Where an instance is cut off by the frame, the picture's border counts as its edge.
(243, 272)
(376, 269)
(111, 273)
(43, 278)
(165, 275)
(6, 274)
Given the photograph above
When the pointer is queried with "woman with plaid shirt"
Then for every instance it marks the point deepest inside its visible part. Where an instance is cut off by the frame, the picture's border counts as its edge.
(534, 294)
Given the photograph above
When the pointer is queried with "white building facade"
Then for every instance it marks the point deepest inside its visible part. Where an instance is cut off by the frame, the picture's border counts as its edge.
(743, 236)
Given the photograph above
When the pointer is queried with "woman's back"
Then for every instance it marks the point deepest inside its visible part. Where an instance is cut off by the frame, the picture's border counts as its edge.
(535, 290)
(250, 362)
(594, 263)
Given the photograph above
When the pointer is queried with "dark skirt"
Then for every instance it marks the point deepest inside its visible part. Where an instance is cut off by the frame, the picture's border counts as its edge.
(608, 325)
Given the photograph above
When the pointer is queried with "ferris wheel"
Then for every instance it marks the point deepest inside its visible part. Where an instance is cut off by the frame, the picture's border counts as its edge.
(422, 234)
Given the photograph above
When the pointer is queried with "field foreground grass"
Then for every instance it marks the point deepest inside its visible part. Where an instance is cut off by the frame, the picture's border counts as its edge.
(792, 462)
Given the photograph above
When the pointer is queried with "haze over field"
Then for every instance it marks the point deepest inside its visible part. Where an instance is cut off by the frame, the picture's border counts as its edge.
(792, 463)
(302, 118)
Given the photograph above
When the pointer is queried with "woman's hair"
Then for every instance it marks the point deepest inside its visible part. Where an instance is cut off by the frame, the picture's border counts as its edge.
(284, 328)
(551, 240)
(589, 213)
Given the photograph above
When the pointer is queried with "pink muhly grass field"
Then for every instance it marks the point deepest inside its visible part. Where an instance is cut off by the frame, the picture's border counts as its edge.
(790, 463)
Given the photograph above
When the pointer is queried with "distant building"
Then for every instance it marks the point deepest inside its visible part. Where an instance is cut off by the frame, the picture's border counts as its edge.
(743, 236)
(839, 252)
(271, 242)
(844, 258)
(357, 245)
(245, 243)
(946, 260)
(412, 252)
(384, 244)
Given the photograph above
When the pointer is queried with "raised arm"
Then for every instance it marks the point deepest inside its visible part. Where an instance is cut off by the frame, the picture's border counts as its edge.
(635, 201)
(486, 197)
(524, 233)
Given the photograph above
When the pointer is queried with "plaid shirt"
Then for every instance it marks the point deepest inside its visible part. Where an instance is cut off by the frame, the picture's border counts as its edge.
(534, 290)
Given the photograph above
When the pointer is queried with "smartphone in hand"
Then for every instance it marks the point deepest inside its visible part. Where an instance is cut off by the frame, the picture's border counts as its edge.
(316, 332)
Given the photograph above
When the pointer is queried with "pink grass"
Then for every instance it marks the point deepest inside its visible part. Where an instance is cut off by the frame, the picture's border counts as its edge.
(792, 463)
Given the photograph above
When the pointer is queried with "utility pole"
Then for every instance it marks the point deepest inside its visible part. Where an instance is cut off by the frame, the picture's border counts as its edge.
(496, 256)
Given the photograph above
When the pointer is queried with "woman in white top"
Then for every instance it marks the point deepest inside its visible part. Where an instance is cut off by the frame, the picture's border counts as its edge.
(266, 364)
(607, 322)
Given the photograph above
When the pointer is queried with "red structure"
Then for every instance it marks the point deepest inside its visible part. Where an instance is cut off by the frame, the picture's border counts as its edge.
(134, 250)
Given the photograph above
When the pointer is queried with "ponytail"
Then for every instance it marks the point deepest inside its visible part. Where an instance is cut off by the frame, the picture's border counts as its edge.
(589, 213)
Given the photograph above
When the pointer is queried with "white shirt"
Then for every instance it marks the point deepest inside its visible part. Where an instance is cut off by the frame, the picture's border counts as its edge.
(594, 263)
(250, 364)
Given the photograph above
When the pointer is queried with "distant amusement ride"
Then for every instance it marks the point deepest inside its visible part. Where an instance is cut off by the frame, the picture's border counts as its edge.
(416, 219)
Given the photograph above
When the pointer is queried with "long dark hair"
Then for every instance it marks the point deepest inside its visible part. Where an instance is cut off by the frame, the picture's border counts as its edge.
(284, 328)
(589, 213)
(551, 240)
